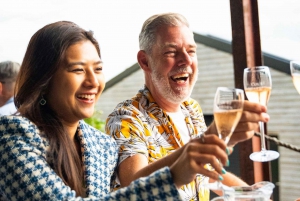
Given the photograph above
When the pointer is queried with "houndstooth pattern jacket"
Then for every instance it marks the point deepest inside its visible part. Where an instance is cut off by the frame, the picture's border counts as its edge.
(26, 175)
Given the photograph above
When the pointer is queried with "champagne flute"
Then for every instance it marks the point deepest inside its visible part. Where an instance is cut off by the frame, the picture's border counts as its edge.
(257, 85)
(228, 109)
(295, 72)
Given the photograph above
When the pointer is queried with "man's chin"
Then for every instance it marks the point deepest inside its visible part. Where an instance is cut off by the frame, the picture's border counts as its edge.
(178, 99)
(182, 95)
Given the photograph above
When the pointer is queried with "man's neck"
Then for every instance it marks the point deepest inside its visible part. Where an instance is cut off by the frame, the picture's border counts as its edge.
(167, 106)
(164, 104)
(4, 100)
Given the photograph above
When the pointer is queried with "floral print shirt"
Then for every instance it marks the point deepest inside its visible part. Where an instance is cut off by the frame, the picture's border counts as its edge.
(140, 126)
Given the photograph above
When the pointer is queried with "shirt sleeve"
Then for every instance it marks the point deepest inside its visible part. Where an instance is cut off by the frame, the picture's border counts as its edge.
(129, 128)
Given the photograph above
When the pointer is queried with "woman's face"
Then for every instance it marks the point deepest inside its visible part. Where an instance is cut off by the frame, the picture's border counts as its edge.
(77, 84)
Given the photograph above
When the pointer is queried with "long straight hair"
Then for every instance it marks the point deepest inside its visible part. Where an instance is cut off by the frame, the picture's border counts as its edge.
(45, 51)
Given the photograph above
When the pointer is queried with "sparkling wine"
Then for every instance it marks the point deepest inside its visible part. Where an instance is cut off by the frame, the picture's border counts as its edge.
(226, 122)
(296, 81)
(259, 95)
(257, 85)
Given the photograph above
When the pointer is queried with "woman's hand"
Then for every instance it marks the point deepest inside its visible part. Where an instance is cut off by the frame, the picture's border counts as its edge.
(196, 154)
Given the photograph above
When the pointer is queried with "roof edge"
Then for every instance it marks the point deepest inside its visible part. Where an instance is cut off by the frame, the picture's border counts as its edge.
(275, 62)
(121, 76)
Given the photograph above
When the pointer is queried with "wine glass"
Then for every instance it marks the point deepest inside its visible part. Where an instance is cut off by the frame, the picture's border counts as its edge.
(228, 109)
(295, 72)
(257, 85)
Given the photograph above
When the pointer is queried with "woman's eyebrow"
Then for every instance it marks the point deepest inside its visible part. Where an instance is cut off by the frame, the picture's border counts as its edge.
(99, 62)
(82, 63)
(75, 63)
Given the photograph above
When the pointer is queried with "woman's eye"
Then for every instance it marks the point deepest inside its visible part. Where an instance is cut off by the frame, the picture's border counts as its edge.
(99, 68)
(78, 70)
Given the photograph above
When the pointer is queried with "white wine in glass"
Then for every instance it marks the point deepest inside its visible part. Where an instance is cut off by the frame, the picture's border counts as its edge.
(257, 86)
(295, 72)
(228, 109)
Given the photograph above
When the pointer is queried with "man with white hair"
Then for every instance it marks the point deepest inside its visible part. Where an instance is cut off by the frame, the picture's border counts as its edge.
(8, 74)
(156, 125)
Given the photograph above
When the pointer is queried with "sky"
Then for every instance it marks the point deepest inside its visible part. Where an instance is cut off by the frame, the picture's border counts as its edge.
(116, 24)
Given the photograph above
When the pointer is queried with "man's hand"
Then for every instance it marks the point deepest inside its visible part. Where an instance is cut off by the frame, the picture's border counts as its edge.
(252, 114)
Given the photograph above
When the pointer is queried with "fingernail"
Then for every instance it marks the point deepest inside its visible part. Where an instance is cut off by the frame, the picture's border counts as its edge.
(220, 178)
(266, 116)
(227, 163)
(263, 108)
(227, 151)
(223, 171)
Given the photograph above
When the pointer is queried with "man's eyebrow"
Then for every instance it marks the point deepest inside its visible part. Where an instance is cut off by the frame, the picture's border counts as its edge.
(175, 46)
(193, 46)
(170, 45)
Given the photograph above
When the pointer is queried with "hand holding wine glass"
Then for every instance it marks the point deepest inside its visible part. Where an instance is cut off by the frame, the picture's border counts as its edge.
(295, 72)
(257, 85)
(228, 109)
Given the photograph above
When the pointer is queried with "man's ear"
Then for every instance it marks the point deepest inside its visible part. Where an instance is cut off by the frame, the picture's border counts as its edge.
(142, 58)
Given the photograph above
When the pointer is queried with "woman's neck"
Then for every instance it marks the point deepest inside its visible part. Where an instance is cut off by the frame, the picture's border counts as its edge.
(71, 129)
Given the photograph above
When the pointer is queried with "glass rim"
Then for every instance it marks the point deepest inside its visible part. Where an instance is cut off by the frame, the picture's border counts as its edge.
(231, 89)
(256, 67)
(295, 67)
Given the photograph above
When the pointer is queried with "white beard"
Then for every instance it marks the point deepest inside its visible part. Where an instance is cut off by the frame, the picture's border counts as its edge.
(161, 83)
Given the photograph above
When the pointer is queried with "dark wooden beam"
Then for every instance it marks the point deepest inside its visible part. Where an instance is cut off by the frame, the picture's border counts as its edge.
(253, 36)
(246, 51)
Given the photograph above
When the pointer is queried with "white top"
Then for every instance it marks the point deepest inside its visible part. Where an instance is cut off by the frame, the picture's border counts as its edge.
(8, 108)
(179, 122)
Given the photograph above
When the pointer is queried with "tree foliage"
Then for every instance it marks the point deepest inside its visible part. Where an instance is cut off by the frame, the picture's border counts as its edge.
(96, 121)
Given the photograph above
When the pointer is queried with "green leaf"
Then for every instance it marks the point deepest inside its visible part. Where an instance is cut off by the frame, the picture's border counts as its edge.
(96, 121)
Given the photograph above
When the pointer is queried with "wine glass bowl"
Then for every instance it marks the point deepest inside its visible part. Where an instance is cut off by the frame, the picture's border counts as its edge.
(257, 86)
(295, 72)
(228, 109)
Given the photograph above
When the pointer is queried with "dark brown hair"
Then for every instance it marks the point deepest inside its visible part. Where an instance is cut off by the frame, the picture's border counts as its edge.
(45, 51)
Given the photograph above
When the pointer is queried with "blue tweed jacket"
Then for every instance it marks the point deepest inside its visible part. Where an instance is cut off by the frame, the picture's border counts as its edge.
(26, 175)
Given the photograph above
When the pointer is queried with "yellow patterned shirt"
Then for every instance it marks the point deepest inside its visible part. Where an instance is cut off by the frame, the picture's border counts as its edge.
(140, 126)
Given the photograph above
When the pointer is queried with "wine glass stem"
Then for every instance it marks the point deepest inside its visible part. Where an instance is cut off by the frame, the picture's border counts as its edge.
(262, 136)
(219, 183)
